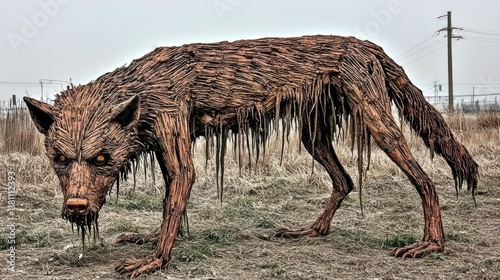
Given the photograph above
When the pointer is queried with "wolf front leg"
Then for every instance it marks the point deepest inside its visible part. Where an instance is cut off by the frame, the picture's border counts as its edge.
(172, 132)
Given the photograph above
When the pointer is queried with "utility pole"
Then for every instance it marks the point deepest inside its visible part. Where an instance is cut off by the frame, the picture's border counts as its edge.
(437, 88)
(473, 91)
(41, 87)
(51, 81)
(450, 66)
(449, 34)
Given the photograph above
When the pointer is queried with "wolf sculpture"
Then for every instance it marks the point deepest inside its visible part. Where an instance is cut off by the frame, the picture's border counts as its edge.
(161, 103)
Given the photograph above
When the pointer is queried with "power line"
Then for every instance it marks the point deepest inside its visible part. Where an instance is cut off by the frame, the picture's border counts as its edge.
(433, 51)
(466, 95)
(487, 35)
(431, 47)
(484, 32)
(476, 84)
(412, 48)
(483, 40)
(429, 88)
(19, 83)
(480, 94)
(29, 84)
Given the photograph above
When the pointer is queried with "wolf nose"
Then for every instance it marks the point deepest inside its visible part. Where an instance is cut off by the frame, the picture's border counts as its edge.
(77, 205)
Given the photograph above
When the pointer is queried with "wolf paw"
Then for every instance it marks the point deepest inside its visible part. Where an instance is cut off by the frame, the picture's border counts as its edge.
(133, 268)
(418, 249)
(296, 233)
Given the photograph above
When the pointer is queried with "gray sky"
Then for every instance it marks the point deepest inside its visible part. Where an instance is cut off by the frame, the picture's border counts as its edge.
(81, 40)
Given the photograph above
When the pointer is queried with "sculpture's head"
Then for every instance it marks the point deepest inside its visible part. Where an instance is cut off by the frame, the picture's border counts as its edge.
(90, 142)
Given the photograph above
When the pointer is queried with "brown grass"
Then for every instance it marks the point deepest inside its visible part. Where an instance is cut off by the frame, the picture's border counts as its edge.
(233, 240)
(18, 133)
(489, 119)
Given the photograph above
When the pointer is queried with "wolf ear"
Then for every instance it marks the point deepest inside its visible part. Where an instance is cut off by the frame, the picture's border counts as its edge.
(41, 114)
(127, 112)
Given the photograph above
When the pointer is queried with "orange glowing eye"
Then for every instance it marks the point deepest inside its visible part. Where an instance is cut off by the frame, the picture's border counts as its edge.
(61, 159)
(101, 159)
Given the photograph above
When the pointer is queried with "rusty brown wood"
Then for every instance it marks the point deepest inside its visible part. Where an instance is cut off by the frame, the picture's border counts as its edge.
(326, 87)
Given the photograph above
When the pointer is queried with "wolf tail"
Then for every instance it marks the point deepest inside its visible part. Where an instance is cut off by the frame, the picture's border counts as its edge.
(427, 122)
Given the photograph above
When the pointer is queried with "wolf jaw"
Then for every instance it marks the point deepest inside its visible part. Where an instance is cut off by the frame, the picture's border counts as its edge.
(86, 224)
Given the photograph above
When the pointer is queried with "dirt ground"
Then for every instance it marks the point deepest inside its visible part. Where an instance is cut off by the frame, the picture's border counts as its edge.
(234, 239)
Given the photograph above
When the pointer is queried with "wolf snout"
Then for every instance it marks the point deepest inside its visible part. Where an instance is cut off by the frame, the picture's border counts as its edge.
(77, 206)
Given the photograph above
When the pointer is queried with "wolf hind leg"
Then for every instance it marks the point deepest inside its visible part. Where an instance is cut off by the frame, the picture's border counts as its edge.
(388, 136)
(367, 93)
(323, 152)
(390, 139)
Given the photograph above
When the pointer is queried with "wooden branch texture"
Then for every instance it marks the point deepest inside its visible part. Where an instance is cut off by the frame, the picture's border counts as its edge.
(248, 87)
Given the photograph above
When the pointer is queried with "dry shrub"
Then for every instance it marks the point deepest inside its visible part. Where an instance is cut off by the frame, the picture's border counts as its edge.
(481, 120)
(489, 119)
(460, 121)
(33, 170)
(19, 133)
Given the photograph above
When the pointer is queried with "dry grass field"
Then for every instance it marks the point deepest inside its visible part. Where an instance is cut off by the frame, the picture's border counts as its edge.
(233, 239)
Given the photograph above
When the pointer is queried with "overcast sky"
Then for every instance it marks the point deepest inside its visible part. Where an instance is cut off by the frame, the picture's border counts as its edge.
(59, 40)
